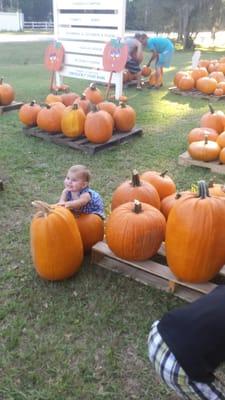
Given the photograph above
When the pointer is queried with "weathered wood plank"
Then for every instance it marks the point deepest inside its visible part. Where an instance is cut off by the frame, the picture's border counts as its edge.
(13, 106)
(186, 160)
(150, 272)
(81, 142)
(195, 93)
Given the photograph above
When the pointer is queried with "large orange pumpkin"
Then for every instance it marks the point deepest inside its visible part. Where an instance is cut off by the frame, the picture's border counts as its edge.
(163, 183)
(194, 242)
(213, 119)
(135, 231)
(186, 83)
(135, 189)
(91, 228)
(55, 241)
(28, 113)
(7, 94)
(49, 118)
(178, 76)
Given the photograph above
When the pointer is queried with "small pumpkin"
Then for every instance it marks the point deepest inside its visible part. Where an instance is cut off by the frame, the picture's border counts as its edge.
(53, 98)
(84, 103)
(154, 80)
(91, 228)
(135, 231)
(49, 117)
(221, 139)
(68, 98)
(28, 113)
(7, 94)
(135, 189)
(93, 94)
(163, 183)
(124, 117)
(186, 83)
(145, 71)
(178, 76)
(168, 202)
(108, 106)
(55, 241)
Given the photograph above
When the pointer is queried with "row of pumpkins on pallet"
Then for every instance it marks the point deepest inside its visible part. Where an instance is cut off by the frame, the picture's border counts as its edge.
(75, 115)
(208, 77)
(145, 211)
(207, 142)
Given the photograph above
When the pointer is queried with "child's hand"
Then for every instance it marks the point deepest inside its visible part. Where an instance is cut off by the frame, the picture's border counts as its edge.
(61, 203)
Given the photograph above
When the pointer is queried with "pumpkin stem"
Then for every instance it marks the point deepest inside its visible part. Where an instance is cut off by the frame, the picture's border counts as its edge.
(203, 190)
(74, 106)
(43, 207)
(164, 173)
(206, 139)
(135, 178)
(178, 195)
(122, 104)
(32, 103)
(93, 86)
(137, 207)
(1, 81)
(211, 182)
(211, 109)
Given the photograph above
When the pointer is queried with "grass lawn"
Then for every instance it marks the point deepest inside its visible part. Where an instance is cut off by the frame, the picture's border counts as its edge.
(84, 338)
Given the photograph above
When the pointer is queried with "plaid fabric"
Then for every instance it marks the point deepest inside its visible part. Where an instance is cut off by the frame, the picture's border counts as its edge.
(173, 374)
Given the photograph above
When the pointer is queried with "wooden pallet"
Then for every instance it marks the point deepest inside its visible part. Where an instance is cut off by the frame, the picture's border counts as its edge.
(196, 94)
(81, 142)
(13, 106)
(153, 272)
(186, 160)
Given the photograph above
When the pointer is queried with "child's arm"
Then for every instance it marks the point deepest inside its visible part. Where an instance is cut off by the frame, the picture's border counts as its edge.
(63, 196)
(78, 203)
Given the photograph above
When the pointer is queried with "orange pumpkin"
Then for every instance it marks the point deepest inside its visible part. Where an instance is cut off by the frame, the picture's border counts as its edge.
(206, 85)
(218, 76)
(204, 150)
(53, 98)
(194, 242)
(91, 228)
(124, 117)
(163, 183)
(108, 106)
(218, 92)
(49, 117)
(145, 70)
(135, 231)
(197, 134)
(7, 94)
(154, 80)
(135, 189)
(186, 83)
(221, 85)
(84, 103)
(28, 113)
(216, 189)
(72, 122)
(213, 119)
(178, 76)
(68, 98)
(199, 72)
(222, 156)
(93, 94)
(98, 127)
(168, 202)
(221, 139)
(55, 242)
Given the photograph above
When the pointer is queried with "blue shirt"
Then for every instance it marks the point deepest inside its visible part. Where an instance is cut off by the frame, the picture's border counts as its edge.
(159, 44)
(94, 206)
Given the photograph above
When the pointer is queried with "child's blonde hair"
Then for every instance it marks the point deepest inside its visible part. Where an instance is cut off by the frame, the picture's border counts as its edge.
(82, 171)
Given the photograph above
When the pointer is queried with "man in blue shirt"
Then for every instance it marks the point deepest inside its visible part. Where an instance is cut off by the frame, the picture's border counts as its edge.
(162, 50)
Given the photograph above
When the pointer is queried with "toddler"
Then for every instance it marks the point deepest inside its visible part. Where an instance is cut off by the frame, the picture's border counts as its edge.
(77, 195)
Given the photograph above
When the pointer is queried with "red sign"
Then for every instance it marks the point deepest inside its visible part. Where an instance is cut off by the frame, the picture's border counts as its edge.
(54, 56)
(115, 56)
